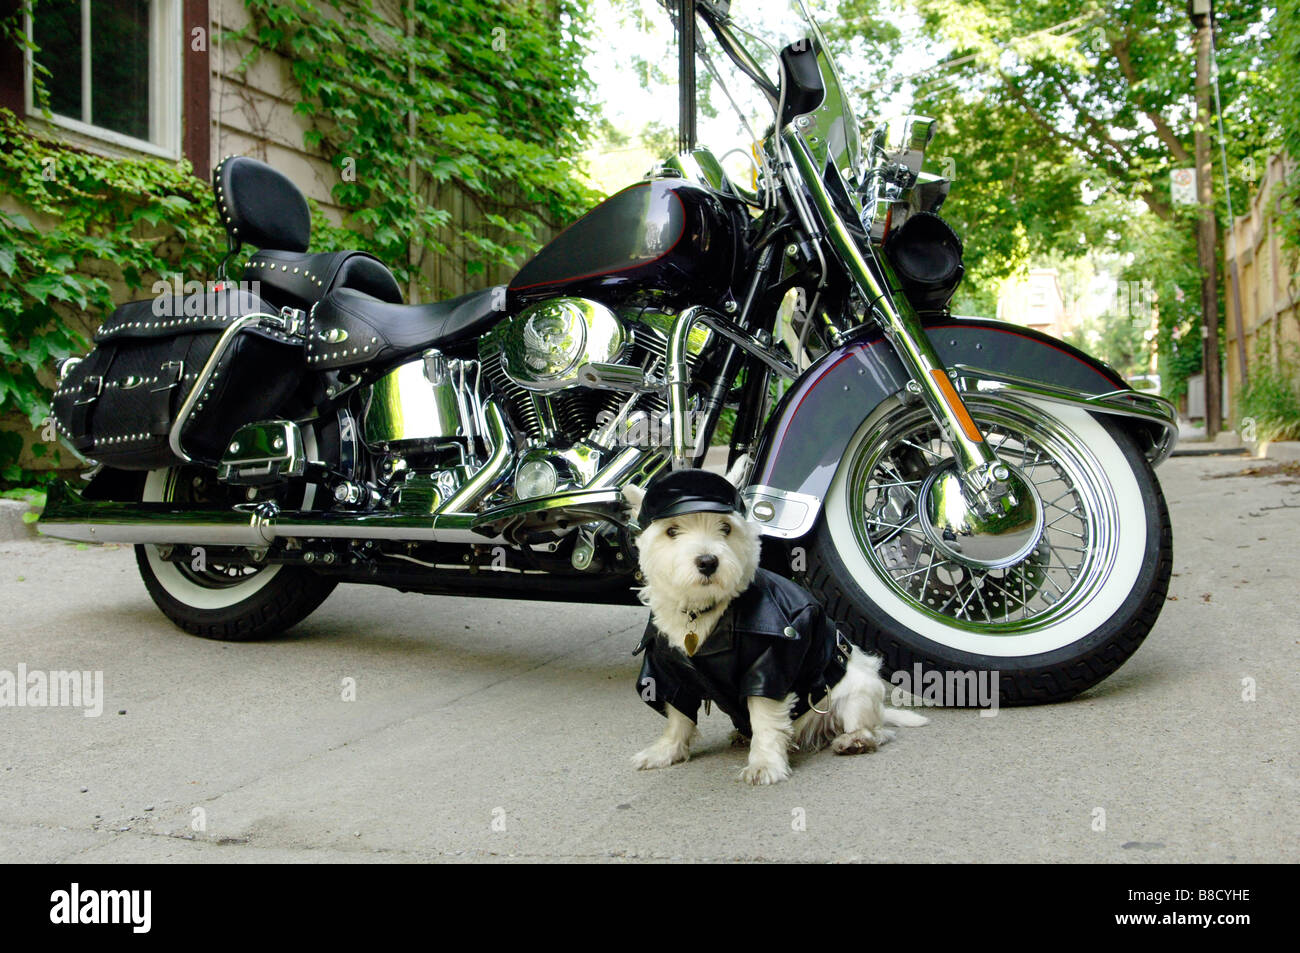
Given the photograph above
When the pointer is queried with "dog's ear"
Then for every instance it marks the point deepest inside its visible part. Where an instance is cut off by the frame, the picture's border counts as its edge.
(633, 495)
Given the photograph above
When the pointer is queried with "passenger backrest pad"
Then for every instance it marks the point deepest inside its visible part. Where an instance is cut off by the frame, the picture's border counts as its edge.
(260, 206)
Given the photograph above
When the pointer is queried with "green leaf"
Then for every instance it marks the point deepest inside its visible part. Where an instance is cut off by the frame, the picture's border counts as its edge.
(497, 138)
(42, 286)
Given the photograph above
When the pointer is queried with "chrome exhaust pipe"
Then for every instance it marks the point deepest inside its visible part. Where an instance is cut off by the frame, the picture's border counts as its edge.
(72, 518)
(68, 516)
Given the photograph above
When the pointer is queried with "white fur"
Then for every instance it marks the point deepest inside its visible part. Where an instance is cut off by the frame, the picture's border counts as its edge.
(675, 586)
(856, 717)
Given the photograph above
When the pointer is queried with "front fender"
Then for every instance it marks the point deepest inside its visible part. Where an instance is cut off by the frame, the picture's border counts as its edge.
(806, 436)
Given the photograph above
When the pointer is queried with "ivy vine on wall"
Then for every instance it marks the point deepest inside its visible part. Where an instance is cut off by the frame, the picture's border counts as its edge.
(487, 95)
(75, 225)
(1285, 105)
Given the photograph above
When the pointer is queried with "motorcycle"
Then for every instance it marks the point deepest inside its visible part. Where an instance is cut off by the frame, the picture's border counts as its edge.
(964, 495)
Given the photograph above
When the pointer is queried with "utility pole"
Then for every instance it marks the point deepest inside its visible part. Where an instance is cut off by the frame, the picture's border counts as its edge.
(686, 75)
(1207, 231)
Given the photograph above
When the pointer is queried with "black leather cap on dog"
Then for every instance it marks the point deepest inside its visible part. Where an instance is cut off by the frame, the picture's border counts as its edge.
(689, 491)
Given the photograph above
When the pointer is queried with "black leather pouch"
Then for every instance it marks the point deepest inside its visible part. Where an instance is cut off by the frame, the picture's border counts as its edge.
(119, 404)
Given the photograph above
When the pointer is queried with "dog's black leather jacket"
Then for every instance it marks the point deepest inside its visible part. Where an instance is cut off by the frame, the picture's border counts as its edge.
(772, 641)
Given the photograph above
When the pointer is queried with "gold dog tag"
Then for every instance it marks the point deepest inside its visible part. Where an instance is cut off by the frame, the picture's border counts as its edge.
(692, 643)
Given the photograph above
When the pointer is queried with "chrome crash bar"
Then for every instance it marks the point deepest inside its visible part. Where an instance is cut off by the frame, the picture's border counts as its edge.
(679, 370)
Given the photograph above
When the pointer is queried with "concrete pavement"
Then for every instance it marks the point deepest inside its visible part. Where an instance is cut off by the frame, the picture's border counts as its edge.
(491, 730)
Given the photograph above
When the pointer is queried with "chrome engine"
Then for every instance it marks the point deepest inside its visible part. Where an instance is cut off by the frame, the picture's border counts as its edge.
(567, 397)
(580, 380)
(543, 347)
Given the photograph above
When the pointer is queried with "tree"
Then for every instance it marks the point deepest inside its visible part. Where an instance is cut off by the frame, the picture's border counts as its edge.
(1062, 122)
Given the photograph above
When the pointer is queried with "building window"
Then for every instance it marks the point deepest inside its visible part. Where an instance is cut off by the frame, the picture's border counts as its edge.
(114, 70)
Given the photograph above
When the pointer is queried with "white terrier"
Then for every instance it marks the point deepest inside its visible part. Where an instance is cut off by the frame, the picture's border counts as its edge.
(724, 631)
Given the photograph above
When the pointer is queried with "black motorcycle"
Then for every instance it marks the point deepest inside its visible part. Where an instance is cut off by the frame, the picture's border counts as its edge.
(963, 494)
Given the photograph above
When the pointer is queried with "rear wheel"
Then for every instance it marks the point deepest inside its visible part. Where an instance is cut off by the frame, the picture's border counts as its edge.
(1052, 625)
(221, 599)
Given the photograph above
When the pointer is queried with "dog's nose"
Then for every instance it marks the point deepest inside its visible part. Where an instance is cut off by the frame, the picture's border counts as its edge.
(707, 564)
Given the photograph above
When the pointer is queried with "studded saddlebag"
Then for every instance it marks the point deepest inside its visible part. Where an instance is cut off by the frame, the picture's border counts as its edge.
(119, 404)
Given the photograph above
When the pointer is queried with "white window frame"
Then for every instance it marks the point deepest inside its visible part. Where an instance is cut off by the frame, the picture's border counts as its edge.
(165, 86)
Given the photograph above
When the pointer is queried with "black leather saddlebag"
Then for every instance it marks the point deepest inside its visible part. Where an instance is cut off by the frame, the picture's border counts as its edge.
(118, 405)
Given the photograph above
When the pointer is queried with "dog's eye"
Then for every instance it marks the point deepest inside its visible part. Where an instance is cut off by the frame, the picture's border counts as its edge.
(671, 532)
(726, 528)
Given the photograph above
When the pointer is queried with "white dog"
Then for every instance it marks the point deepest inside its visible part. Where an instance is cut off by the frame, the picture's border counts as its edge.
(770, 661)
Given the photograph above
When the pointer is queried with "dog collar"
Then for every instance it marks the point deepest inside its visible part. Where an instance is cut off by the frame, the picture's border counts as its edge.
(696, 613)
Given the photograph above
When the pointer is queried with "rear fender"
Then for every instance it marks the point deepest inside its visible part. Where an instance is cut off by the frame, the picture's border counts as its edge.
(807, 434)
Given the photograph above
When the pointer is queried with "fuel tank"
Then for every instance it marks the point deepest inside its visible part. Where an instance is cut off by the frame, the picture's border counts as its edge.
(667, 241)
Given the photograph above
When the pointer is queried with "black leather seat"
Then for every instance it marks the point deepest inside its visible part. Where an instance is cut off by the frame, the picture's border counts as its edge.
(261, 207)
(348, 328)
(300, 279)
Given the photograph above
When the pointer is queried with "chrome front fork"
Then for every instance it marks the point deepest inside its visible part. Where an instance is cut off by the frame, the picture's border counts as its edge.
(974, 456)
(979, 509)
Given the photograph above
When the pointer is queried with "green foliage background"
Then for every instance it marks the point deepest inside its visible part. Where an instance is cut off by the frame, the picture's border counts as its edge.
(1068, 118)
(498, 94)
(1271, 401)
(496, 91)
(1059, 123)
(1284, 104)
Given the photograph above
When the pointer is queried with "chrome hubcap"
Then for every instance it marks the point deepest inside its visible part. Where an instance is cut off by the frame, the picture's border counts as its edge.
(987, 533)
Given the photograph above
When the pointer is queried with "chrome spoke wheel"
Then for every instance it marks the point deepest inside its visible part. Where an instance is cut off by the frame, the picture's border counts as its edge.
(1070, 561)
(1074, 599)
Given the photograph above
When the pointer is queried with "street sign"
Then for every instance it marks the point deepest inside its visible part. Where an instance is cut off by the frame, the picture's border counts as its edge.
(1182, 186)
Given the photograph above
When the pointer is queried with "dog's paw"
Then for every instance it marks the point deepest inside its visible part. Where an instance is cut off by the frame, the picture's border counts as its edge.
(765, 772)
(862, 741)
(660, 755)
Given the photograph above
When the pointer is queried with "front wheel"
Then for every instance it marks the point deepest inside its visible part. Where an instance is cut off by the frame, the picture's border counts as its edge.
(1058, 622)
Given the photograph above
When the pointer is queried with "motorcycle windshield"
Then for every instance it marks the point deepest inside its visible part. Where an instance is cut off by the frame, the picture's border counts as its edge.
(763, 28)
